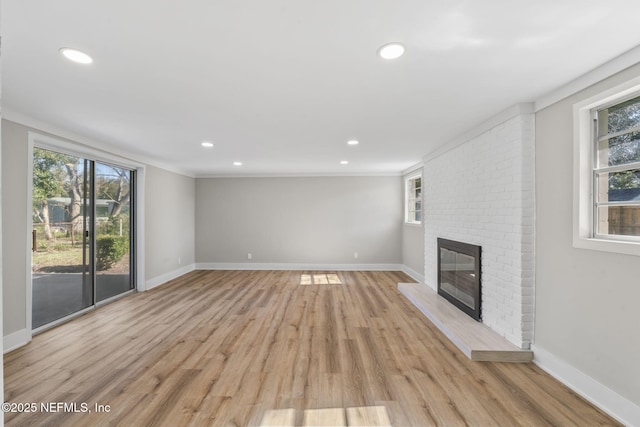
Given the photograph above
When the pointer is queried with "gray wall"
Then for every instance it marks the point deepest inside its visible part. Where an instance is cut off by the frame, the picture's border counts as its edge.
(586, 301)
(413, 248)
(170, 220)
(299, 220)
(169, 217)
(14, 226)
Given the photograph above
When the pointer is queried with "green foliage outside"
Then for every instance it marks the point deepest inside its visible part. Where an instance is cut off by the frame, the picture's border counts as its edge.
(114, 225)
(625, 148)
(48, 174)
(110, 250)
(59, 224)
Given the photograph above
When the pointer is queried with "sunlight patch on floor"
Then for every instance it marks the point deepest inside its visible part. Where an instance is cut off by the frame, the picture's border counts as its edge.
(320, 279)
(279, 417)
(324, 417)
(362, 416)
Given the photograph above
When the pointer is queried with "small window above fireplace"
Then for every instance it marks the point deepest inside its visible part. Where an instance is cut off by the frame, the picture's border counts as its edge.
(459, 275)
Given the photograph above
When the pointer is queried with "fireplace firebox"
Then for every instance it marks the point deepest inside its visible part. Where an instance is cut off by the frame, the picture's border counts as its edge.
(459, 278)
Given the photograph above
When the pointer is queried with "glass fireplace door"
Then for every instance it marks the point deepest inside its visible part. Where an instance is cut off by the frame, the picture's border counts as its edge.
(459, 275)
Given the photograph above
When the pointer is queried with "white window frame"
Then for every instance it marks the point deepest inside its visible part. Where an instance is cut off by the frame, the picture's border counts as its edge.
(410, 199)
(584, 227)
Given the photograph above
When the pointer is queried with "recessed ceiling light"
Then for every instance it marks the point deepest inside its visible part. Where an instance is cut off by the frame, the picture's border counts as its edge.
(344, 162)
(76, 56)
(353, 142)
(207, 144)
(237, 163)
(391, 51)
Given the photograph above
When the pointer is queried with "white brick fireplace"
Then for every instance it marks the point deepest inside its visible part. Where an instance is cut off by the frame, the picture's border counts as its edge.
(479, 189)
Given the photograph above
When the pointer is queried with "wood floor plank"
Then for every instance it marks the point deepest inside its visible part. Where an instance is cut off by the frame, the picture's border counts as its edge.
(279, 418)
(217, 348)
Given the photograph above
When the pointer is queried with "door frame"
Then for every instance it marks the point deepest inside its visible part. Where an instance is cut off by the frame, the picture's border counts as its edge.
(36, 139)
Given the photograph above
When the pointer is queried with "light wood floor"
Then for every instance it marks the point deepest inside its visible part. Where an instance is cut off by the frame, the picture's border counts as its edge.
(251, 347)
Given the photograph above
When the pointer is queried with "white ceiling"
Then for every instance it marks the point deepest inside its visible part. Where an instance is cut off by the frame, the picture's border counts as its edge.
(281, 85)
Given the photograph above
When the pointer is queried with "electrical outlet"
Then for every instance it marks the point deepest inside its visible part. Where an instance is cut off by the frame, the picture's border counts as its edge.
(355, 255)
(249, 255)
(179, 260)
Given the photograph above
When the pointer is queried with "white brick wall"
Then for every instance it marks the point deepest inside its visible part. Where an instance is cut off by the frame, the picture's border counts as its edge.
(482, 192)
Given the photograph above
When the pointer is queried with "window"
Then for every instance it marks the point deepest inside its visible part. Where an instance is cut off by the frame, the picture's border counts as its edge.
(616, 173)
(607, 171)
(413, 199)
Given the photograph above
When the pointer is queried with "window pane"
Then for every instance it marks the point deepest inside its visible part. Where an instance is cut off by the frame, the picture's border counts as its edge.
(61, 279)
(113, 228)
(620, 150)
(619, 220)
(619, 186)
(624, 116)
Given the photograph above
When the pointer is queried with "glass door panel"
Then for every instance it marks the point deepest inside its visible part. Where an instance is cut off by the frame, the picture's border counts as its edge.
(61, 268)
(113, 225)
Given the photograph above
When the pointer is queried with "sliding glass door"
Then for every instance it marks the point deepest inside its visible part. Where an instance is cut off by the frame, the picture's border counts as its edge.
(113, 213)
(61, 268)
(82, 236)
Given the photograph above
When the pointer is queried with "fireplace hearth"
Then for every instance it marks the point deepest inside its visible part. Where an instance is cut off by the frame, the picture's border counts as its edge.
(459, 278)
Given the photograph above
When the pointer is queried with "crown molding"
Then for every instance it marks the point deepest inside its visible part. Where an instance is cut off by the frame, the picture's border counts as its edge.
(615, 65)
(43, 127)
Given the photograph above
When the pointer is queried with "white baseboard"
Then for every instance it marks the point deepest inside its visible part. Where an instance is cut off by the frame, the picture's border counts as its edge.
(618, 407)
(15, 340)
(296, 266)
(163, 278)
(413, 274)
